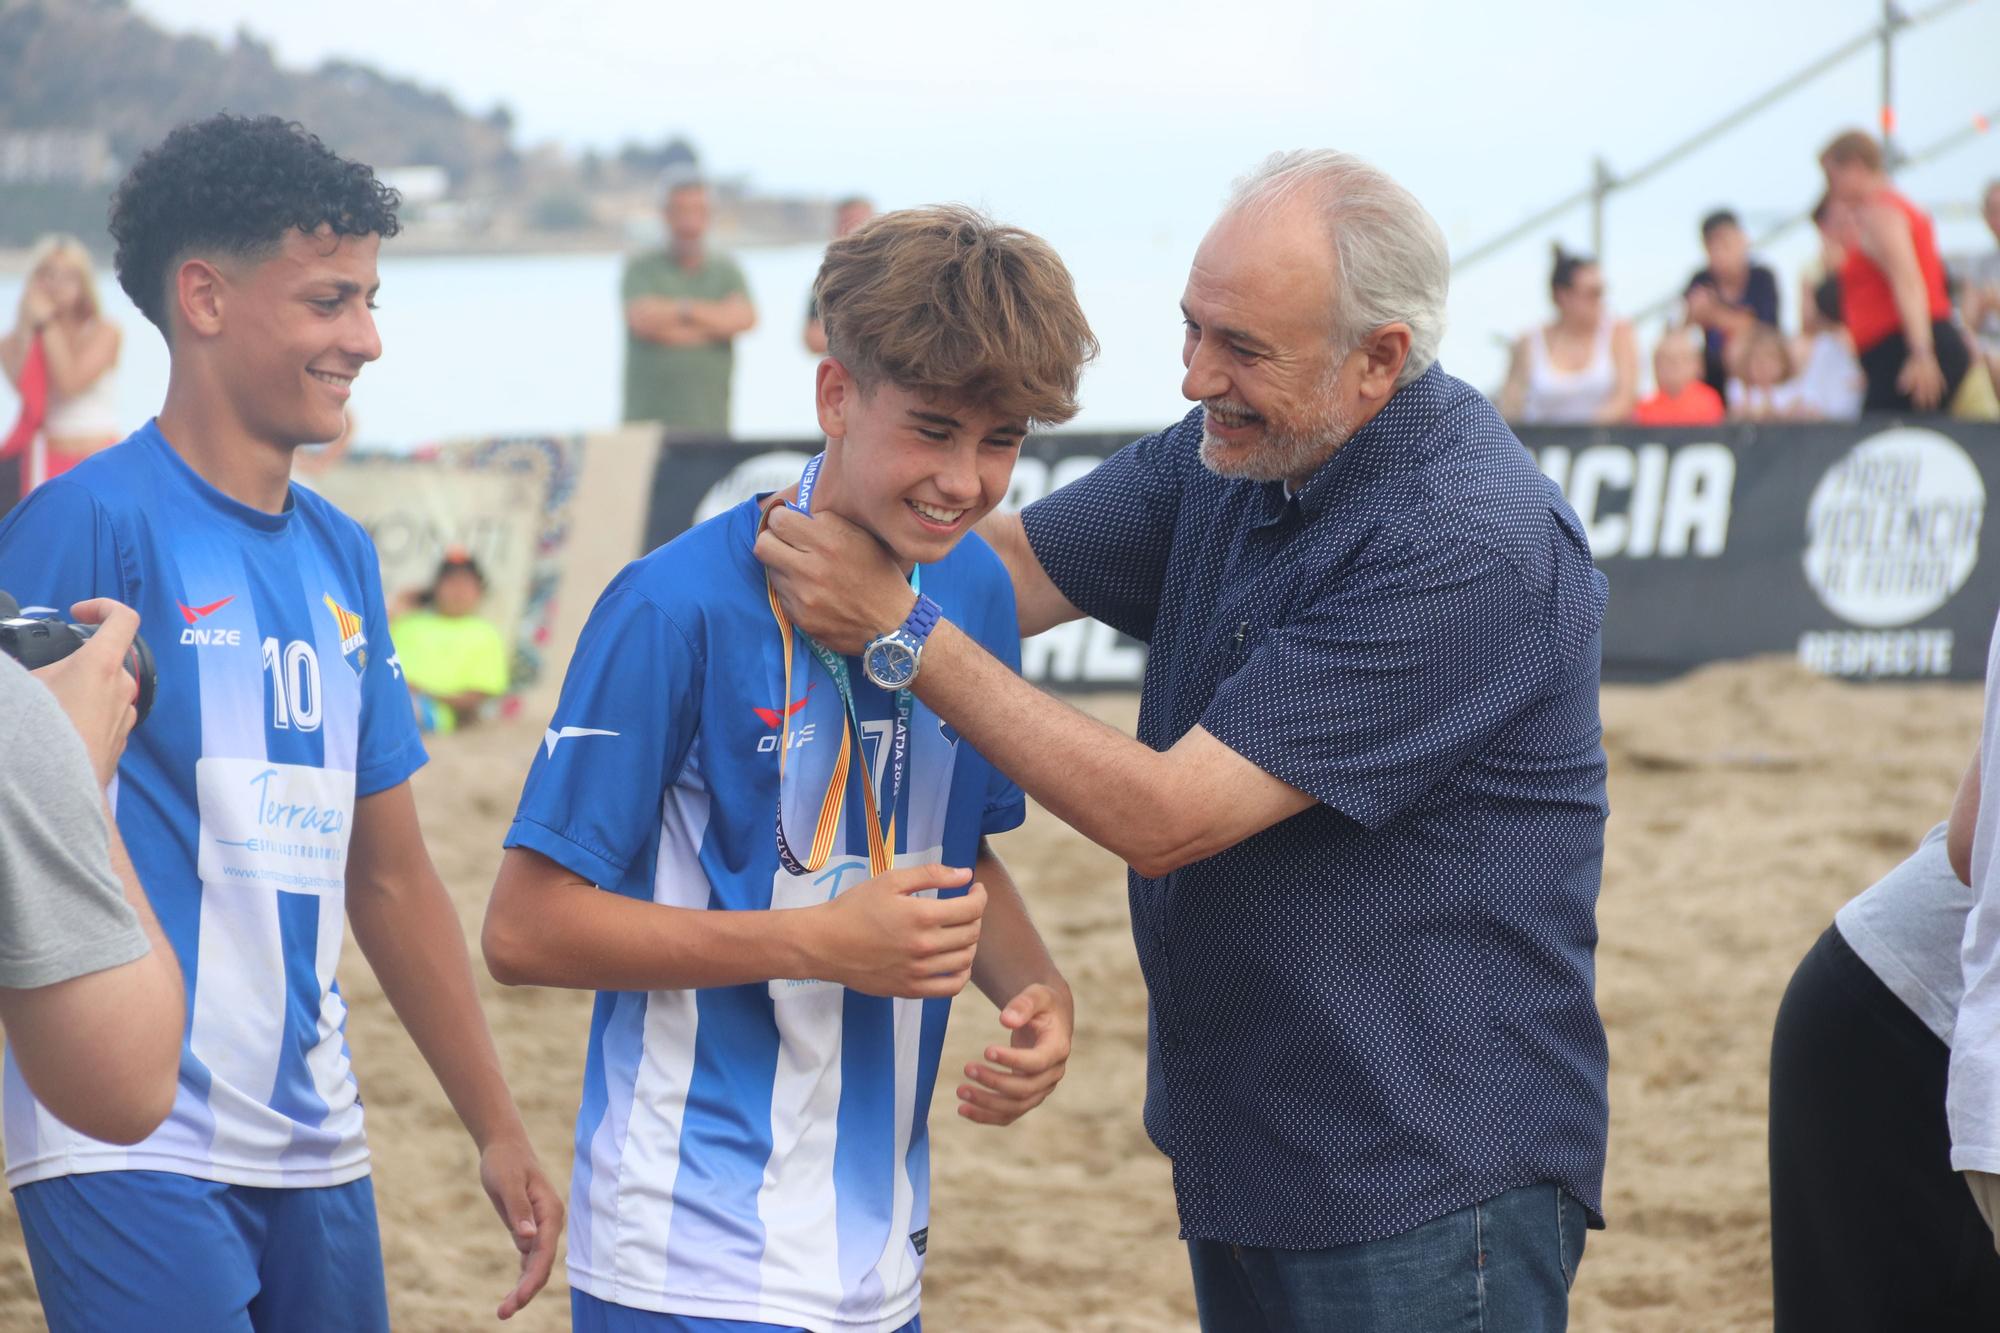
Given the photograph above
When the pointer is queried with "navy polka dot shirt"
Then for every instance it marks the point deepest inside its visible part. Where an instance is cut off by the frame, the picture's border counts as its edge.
(1380, 1010)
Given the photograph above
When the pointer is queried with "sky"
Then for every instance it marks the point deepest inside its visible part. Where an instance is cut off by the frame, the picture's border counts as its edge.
(1087, 116)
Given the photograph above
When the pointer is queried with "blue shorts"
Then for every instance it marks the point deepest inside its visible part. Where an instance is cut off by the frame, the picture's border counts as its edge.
(587, 1314)
(165, 1253)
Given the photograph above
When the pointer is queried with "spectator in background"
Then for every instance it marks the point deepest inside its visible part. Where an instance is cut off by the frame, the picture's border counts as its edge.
(1819, 283)
(1764, 390)
(1892, 288)
(1979, 288)
(61, 357)
(454, 659)
(1680, 397)
(1729, 297)
(684, 307)
(1830, 381)
(1583, 367)
(848, 214)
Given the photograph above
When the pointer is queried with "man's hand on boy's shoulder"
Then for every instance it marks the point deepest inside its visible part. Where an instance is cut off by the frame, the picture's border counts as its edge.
(1020, 1076)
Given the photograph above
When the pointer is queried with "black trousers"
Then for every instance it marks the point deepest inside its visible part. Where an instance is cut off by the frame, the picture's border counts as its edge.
(1871, 1229)
(1884, 361)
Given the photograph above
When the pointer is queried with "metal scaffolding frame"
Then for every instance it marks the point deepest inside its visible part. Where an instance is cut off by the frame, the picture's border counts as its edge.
(1605, 182)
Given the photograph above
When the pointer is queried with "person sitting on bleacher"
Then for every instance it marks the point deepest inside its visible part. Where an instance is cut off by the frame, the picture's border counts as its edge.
(1680, 396)
(454, 659)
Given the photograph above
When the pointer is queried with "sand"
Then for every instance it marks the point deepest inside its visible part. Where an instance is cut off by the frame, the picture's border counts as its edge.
(1750, 801)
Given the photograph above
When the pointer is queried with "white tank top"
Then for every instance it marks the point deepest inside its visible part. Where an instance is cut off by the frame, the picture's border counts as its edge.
(1568, 397)
(92, 414)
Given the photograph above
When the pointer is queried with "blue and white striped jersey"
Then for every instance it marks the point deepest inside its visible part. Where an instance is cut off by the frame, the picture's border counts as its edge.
(750, 1152)
(279, 704)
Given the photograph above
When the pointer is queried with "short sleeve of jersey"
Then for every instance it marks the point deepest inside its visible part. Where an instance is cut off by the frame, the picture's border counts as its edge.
(1104, 538)
(57, 548)
(391, 747)
(1388, 679)
(620, 735)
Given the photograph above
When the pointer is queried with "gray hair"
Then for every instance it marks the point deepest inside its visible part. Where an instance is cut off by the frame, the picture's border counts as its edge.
(1389, 254)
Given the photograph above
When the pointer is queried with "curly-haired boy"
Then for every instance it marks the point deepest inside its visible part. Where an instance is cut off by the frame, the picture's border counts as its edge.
(269, 789)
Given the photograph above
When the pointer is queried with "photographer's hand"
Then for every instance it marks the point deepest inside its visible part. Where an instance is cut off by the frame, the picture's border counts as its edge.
(93, 686)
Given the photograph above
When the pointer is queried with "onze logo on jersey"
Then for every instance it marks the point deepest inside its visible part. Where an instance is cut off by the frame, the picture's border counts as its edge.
(353, 643)
(196, 635)
(774, 719)
(771, 717)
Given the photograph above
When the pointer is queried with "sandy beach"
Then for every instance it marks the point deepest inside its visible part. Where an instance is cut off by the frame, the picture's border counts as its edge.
(1750, 800)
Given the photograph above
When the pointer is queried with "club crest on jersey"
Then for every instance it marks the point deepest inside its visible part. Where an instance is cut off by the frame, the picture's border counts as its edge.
(353, 643)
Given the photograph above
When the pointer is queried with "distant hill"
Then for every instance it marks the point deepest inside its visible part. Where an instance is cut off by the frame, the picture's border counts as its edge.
(87, 85)
(95, 65)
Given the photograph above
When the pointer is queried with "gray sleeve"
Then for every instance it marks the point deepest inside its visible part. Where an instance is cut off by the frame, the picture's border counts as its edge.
(62, 911)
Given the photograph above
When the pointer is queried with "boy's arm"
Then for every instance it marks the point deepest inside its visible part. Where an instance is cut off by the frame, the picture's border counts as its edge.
(547, 926)
(406, 925)
(1015, 971)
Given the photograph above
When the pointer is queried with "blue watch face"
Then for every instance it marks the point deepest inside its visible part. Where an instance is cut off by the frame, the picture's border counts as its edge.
(890, 663)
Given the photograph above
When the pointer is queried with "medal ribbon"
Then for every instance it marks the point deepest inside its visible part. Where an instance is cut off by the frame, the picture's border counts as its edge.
(881, 833)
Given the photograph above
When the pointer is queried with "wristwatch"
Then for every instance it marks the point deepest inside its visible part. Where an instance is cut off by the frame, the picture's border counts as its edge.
(891, 661)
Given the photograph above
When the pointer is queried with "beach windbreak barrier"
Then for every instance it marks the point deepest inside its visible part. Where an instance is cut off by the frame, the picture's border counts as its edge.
(506, 502)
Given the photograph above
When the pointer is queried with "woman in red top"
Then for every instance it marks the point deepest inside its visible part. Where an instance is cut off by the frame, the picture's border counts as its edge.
(1893, 297)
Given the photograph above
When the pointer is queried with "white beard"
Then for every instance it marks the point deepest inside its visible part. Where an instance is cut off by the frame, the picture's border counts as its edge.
(1289, 451)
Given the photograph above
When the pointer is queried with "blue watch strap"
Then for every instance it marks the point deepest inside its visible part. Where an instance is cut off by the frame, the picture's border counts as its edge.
(923, 618)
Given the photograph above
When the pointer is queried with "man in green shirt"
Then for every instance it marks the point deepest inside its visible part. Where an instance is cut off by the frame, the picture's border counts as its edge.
(683, 307)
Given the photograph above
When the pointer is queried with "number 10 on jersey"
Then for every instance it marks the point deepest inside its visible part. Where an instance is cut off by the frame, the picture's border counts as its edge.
(294, 672)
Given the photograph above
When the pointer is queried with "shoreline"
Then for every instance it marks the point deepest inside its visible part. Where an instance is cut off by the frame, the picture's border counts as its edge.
(414, 244)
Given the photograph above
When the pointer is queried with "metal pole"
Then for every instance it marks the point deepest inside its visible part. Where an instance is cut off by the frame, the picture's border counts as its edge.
(1892, 19)
(1602, 182)
(1888, 113)
(1524, 227)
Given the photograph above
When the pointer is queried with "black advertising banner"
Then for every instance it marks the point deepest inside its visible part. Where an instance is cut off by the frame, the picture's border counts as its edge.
(1860, 548)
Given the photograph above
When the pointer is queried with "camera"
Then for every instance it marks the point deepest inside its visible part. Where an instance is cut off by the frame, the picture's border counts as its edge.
(36, 643)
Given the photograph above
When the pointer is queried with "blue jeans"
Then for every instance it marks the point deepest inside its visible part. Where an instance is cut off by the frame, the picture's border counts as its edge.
(154, 1252)
(1502, 1266)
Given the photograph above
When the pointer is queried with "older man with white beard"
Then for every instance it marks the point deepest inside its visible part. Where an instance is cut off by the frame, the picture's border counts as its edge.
(1365, 810)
